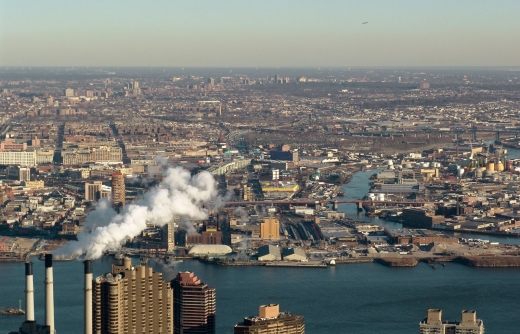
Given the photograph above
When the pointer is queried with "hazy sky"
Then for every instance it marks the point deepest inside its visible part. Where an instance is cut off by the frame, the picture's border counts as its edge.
(263, 33)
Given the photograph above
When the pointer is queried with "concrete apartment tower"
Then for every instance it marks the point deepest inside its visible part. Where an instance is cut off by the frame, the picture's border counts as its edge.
(93, 190)
(469, 324)
(131, 299)
(118, 189)
(271, 320)
(194, 305)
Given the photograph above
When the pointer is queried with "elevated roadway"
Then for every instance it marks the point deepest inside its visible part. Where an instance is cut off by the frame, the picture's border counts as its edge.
(360, 203)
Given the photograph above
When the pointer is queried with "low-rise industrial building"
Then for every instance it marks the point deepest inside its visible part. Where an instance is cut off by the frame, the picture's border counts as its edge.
(294, 254)
(269, 253)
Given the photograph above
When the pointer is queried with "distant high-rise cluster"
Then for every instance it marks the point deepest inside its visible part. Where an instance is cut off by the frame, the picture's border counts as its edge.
(469, 324)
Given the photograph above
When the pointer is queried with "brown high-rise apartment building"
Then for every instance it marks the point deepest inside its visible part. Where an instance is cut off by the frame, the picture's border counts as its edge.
(270, 228)
(93, 190)
(131, 299)
(194, 305)
(469, 324)
(271, 320)
(118, 189)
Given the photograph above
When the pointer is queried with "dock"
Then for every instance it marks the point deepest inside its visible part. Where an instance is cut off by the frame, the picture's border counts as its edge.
(297, 264)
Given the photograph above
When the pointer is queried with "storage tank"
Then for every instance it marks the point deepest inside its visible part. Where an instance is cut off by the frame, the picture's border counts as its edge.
(460, 172)
(380, 197)
(499, 167)
(436, 164)
(490, 166)
(372, 196)
(425, 165)
(482, 169)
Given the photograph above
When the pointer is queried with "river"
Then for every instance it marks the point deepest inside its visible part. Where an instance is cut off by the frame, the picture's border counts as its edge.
(355, 298)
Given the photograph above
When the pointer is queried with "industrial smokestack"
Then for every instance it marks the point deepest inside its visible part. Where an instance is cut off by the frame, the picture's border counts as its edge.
(88, 296)
(49, 294)
(29, 292)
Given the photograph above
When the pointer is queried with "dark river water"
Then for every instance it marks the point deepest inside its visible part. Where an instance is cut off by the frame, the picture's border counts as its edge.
(355, 298)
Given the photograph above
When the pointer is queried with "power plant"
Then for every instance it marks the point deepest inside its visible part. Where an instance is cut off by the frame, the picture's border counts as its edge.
(29, 326)
(49, 294)
(141, 294)
(88, 296)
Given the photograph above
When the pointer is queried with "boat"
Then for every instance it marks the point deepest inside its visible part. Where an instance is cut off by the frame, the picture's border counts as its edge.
(12, 311)
(341, 193)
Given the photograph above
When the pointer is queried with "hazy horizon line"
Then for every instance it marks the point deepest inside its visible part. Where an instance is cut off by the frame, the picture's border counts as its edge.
(263, 67)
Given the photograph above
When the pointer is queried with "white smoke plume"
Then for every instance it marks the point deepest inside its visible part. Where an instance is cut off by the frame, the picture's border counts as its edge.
(178, 194)
(167, 268)
(241, 214)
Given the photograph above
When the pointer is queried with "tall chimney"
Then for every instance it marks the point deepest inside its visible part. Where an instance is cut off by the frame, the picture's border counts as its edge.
(29, 292)
(88, 296)
(49, 294)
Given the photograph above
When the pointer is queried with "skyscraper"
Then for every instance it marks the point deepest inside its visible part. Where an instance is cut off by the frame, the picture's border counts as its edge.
(131, 299)
(194, 305)
(469, 324)
(271, 320)
(118, 189)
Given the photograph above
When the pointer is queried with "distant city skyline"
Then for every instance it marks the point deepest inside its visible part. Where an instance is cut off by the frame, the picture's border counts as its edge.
(231, 33)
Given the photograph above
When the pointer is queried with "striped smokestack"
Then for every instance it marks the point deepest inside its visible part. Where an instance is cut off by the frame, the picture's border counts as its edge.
(49, 294)
(88, 296)
(29, 292)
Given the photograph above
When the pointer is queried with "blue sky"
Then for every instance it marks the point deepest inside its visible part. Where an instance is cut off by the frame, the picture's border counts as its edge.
(266, 33)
